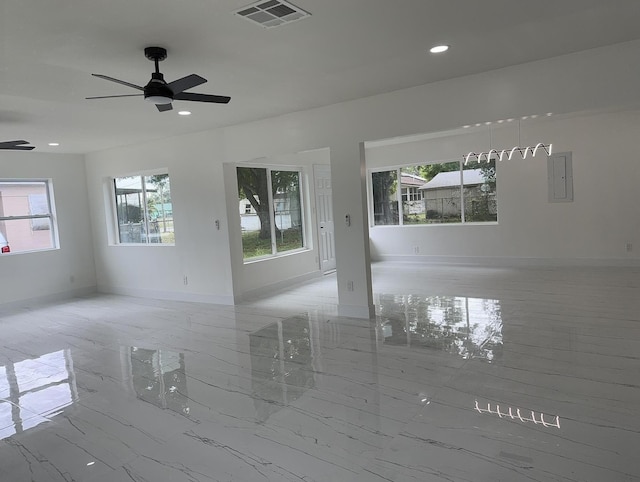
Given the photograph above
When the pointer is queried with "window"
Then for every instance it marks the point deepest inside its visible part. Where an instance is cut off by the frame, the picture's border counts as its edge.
(144, 210)
(436, 193)
(411, 194)
(385, 197)
(272, 221)
(27, 221)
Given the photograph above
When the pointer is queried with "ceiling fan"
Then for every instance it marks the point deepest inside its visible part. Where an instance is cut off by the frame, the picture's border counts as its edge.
(16, 145)
(161, 93)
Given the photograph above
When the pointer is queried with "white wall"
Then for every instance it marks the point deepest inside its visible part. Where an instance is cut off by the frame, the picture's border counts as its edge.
(201, 252)
(590, 80)
(61, 272)
(253, 277)
(593, 229)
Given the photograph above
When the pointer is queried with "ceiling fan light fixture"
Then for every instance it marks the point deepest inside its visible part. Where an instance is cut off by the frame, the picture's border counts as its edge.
(159, 99)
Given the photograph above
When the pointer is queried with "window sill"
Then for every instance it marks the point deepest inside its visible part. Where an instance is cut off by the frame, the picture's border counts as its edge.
(429, 225)
(16, 253)
(276, 256)
(144, 245)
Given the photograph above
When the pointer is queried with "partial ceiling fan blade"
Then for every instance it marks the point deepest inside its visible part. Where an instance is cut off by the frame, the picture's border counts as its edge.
(164, 107)
(218, 99)
(185, 83)
(16, 145)
(19, 148)
(117, 81)
(114, 96)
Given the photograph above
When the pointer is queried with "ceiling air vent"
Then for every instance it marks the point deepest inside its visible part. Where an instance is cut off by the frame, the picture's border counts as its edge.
(272, 13)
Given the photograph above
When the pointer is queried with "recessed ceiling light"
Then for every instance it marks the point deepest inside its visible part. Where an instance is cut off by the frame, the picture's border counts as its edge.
(549, 114)
(466, 127)
(438, 49)
(54, 144)
(184, 112)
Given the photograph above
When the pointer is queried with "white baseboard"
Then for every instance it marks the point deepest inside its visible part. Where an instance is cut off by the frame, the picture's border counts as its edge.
(51, 298)
(168, 295)
(503, 261)
(271, 288)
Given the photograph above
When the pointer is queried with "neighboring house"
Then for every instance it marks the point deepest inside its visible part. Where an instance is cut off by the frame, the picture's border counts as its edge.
(442, 195)
(286, 212)
(19, 199)
(246, 207)
(412, 195)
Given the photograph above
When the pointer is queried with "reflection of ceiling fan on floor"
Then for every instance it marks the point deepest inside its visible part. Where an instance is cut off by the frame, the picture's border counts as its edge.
(16, 145)
(161, 93)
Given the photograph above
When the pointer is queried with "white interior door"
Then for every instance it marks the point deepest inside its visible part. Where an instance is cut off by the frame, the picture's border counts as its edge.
(324, 216)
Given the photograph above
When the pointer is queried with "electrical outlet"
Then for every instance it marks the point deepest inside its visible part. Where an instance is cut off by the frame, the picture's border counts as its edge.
(185, 280)
(349, 285)
(416, 250)
(629, 247)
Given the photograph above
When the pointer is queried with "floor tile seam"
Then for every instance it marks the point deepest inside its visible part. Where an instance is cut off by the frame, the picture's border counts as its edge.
(536, 372)
(577, 395)
(523, 470)
(299, 407)
(73, 418)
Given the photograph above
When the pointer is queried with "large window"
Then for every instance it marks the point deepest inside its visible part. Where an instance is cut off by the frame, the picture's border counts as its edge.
(143, 209)
(27, 221)
(270, 211)
(435, 193)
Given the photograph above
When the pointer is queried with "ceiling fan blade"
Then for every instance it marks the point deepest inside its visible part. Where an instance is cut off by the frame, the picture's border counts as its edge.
(185, 83)
(16, 145)
(117, 81)
(164, 107)
(19, 148)
(113, 96)
(218, 99)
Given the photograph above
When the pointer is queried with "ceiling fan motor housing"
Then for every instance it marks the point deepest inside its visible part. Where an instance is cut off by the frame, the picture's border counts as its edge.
(157, 91)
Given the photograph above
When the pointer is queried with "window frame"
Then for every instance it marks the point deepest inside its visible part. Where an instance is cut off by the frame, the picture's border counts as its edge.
(302, 176)
(399, 196)
(51, 215)
(113, 197)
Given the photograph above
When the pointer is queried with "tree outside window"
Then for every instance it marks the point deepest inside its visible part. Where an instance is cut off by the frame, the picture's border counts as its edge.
(385, 198)
(275, 222)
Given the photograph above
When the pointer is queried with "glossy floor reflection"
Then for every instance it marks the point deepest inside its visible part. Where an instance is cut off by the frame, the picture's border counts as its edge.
(467, 374)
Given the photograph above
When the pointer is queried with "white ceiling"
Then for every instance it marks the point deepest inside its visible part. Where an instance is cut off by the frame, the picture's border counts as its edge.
(347, 49)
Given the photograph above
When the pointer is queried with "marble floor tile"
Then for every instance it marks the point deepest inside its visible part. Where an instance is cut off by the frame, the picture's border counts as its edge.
(466, 374)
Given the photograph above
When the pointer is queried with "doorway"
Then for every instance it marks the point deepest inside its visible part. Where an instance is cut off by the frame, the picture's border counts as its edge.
(324, 217)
